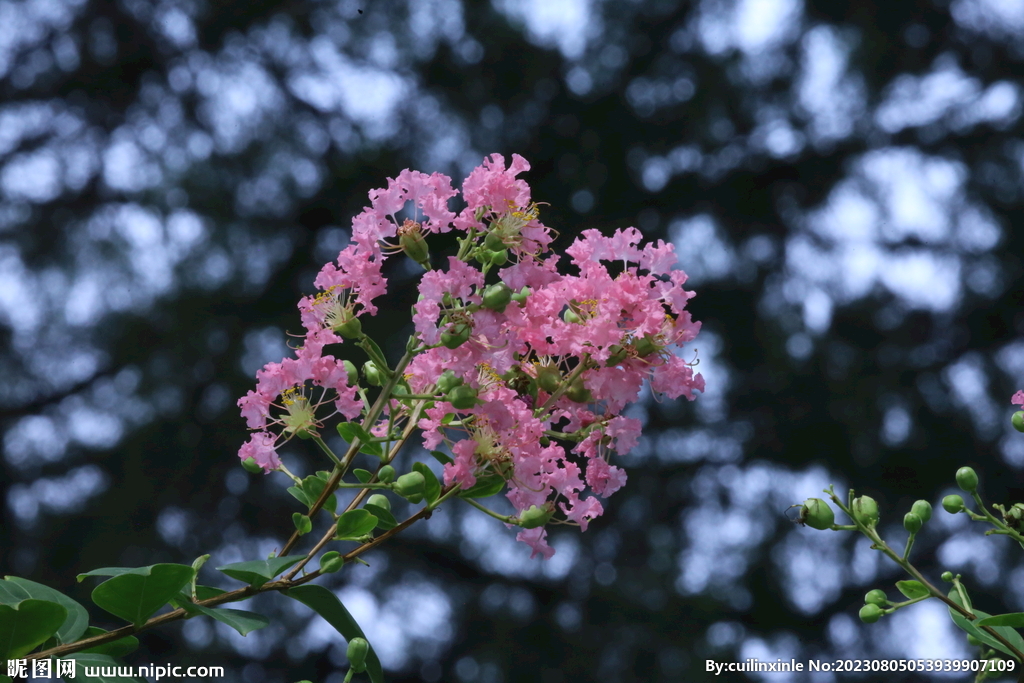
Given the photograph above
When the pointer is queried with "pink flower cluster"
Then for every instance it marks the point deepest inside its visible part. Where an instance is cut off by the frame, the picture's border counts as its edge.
(552, 370)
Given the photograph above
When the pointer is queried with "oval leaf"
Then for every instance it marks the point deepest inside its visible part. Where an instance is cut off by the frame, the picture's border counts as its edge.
(240, 620)
(258, 572)
(362, 475)
(442, 458)
(350, 431)
(484, 487)
(136, 595)
(1013, 620)
(355, 524)
(327, 605)
(970, 627)
(78, 619)
(912, 589)
(385, 520)
(27, 624)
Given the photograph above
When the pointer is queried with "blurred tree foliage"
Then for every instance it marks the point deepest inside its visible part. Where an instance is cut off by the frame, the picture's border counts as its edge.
(840, 179)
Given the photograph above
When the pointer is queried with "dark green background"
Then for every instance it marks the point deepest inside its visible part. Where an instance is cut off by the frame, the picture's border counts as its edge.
(692, 121)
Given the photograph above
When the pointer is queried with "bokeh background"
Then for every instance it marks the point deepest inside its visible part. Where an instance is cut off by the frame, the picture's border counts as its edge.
(842, 182)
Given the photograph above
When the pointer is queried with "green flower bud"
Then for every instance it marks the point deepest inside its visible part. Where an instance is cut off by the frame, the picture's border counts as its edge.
(494, 242)
(548, 378)
(456, 335)
(953, 504)
(462, 397)
(865, 510)
(251, 466)
(356, 653)
(971, 640)
(912, 523)
(373, 374)
(410, 486)
(1018, 420)
(967, 479)
(386, 474)
(500, 257)
(380, 500)
(415, 247)
(545, 441)
(618, 354)
(869, 614)
(817, 514)
(331, 562)
(535, 517)
(947, 577)
(875, 597)
(353, 373)
(497, 296)
(350, 327)
(646, 346)
(923, 509)
(521, 295)
(448, 381)
(303, 524)
(570, 316)
(578, 392)
(483, 255)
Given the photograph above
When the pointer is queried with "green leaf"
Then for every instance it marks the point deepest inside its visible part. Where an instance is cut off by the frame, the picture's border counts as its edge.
(303, 524)
(1013, 620)
(240, 620)
(300, 496)
(258, 572)
(484, 487)
(448, 417)
(362, 475)
(970, 627)
(136, 594)
(117, 648)
(314, 486)
(327, 605)
(355, 524)
(350, 431)
(912, 589)
(442, 458)
(26, 625)
(78, 619)
(324, 474)
(385, 520)
(432, 487)
(95, 659)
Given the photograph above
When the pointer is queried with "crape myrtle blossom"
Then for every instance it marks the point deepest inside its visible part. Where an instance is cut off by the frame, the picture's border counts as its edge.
(520, 370)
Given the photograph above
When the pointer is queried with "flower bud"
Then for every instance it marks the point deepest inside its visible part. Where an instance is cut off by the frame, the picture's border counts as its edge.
(521, 295)
(923, 509)
(462, 397)
(875, 597)
(331, 562)
(380, 500)
(953, 504)
(350, 327)
(500, 257)
(967, 479)
(578, 392)
(817, 514)
(251, 465)
(373, 374)
(356, 653)
(353, 373)
(410, 486)
(865, 510)
(456, 335)
(548, 378)
(386, 474)
(912, 523)
(971, 640)
(1018, 420)
(535, 517)
(570, 316)
(947, 577)
(497, 296)
(494, 242)
(448, 381)
(415, 247)
(869, 614)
